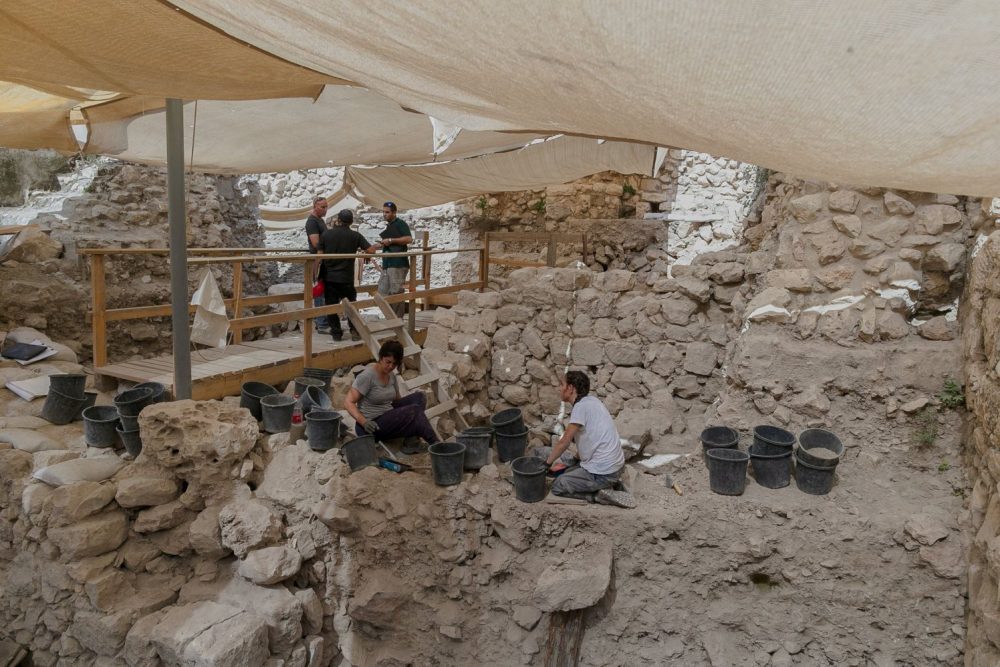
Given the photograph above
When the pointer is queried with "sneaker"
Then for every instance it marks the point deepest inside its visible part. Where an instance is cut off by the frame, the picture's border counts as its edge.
(337, 336)
(616, 498)
(323, 330)
(411, 446)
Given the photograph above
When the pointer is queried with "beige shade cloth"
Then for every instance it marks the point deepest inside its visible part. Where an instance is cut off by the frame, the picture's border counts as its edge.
(897, 93)
(558, 160)
(139, 47)
(32, 119)
(345, 125)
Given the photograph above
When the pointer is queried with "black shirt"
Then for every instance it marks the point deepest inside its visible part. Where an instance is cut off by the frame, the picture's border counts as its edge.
(314, 225)
(341, 240)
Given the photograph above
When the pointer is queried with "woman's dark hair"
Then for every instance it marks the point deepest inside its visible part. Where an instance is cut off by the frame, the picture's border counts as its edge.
(578, 381)
(394, 349)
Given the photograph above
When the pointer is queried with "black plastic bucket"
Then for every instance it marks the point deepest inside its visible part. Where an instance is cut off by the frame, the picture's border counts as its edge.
(60, 409)
(323, 374)
(718, 437)
(360, 452)
(276, 412)
(131, 441)
(447, 462)
(315, 398)
(131, 402)
(820, 448)
(159, 390)
(323, 429)
(773, 471)
(508, 422)
(727, 471)
(68, 384)
(130, 423)
(477, 446)
(89, 399)
(772, 440)
(813, 479)
(250, 396)
(99, 425)
(529, 478)
(302, 383)
(510, 447)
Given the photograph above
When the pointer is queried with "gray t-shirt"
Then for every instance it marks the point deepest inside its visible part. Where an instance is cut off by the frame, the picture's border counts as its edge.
(376, 398)
(597, 441)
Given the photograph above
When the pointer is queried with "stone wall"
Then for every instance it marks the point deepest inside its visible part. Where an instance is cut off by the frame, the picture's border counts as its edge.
(22, 171)
(981, 347)
(47, 282)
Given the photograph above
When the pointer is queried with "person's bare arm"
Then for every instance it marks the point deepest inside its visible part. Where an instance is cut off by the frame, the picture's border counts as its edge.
(314, 241)
(563, 444)
(351, 405)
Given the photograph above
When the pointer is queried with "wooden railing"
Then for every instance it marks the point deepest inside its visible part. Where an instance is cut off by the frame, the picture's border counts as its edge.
(550, 239)
(101, 315)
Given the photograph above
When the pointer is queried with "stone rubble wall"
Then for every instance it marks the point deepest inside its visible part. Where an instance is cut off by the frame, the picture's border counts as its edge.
(202, 550)
(47, 282)
(981, 347)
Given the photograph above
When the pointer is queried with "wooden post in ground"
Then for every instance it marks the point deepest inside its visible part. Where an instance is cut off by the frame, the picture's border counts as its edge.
(98, 305)
(550, 257)
(484, 262)
(426, 264)
(411, 311)
(307, 302)
(237, 299)
(562, 648)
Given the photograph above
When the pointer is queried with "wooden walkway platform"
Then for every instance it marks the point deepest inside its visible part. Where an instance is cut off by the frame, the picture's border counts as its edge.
(219, 372)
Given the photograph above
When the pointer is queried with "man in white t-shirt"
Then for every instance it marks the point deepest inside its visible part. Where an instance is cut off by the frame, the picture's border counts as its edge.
(599, 460)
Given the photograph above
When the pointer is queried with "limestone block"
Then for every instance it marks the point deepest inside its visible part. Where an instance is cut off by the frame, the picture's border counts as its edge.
(726, 273)
(270, 565)
(866, 248)
(945, 559)
(36, 502)
(926, 528)
(896, 205)
(663, 359)
(902, 274)
(32, 245)
(247, 525)
(843, 200)
(92, 536)
(100, 633)
(848, 224)
(614, 280)
(336, 518)
(830, 250)
(811, 402)
(587, 352)
(578, 581)
(379, 599)
(201, 440)
(97, 469)
(937, 328)
(29, 441)
(592, 302)
(205, 535)
(888, 231)
(699, 290)
(628, 380)
(73, 502)
(312, 611)
(533, 341)
(624, 354)
(807, 207)
(288, 479)
(162, 517)
(920, 241)
(526, 616)
(700, 358)
(507, 365)
(514, 313)
(571, 280)
(933, 218)
(515, 394)
(835, 277)
(210, 634)
(146, 491)
(944, 257)
(795, 280)
(678, 309)
(479, 300)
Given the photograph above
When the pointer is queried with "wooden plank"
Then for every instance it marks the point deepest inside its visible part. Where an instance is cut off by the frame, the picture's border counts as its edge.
(500, 237)
(382, 325)
(15, 229)
(237, 299)
(504, 261)
(484, 262)
(440, 409)
(308, 276)
(443, 300)
(562, 648)
(421, 380)
(550, 256)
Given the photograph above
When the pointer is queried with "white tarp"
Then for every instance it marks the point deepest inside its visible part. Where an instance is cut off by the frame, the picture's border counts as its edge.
(899, 93)
(211, 323)
(558, 160)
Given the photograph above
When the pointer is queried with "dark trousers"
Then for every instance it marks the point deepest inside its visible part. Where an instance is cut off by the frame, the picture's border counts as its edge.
(406, 419)
(334, 292)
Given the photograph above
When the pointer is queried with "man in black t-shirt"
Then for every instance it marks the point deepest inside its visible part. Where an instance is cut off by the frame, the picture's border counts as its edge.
(314, 229)
(339, 273)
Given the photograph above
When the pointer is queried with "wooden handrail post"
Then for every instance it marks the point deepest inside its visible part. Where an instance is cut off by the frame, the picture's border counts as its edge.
(99, 307)
(411, 314)
(484, 262)
(307, 302)
(237, 300)
(550, 258)
(426, 262)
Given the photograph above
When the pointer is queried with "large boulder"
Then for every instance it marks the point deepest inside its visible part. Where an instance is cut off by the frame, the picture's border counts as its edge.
(146, 491)
(73, 502)
(209, 634)
(577, 582)
(270, 565)
(32, 245)
(92, 536)
(247, 525)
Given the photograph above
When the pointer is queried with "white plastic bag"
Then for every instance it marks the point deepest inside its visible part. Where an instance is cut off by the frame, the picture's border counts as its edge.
(211, 323)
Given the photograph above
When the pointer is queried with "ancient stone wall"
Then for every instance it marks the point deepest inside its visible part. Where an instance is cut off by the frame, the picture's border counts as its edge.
(47, 282)
(981, 347)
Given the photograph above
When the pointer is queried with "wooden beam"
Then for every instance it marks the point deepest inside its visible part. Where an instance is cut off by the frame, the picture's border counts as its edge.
(562, 648)
(98, 304)
(534, 236)
(15, 229)
(505, 261)
(308, 277)
(550, 256)
(237, 298)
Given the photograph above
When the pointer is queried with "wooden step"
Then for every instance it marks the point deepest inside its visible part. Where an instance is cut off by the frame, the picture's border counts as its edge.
(440, 409)
(421, 380)
(411, 350)
(382, 325)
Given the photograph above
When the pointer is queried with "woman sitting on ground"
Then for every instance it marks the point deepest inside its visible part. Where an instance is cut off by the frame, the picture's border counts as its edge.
(377, 407)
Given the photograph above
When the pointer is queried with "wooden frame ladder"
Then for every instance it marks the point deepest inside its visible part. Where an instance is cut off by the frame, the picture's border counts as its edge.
(371, 333)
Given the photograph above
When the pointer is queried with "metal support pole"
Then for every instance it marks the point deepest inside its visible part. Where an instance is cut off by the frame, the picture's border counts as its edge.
(177, 216)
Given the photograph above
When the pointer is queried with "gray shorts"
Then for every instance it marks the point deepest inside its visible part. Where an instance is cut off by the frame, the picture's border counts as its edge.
(576, 479)
(392, 281)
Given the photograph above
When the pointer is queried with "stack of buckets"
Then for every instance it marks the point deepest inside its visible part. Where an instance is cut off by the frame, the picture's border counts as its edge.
(771, 456)
(67, 398)
(276, 410)
(104, 425)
